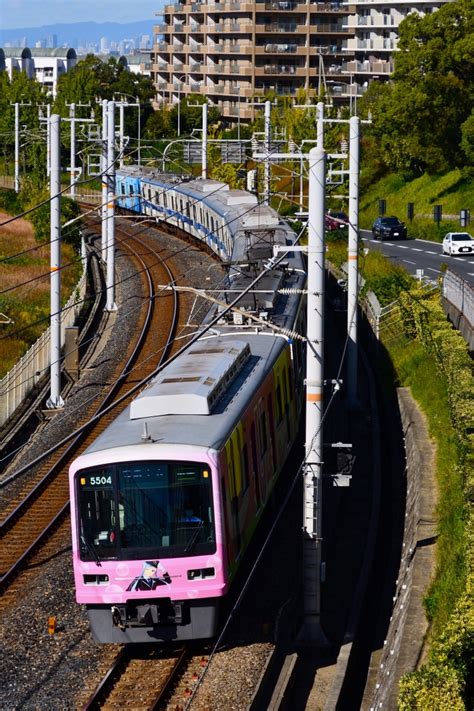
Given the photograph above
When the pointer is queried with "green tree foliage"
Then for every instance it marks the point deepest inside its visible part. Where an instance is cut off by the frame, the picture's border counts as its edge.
(32, 97)
(418, 118)
(92, 80)
(190, 114)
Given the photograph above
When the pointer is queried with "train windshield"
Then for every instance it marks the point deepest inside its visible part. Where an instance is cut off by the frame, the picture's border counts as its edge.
(141, 509)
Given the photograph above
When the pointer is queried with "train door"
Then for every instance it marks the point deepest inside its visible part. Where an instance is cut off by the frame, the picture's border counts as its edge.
(253, 440)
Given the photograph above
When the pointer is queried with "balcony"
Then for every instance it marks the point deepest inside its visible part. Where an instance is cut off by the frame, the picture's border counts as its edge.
(281, 48)
(280, 27)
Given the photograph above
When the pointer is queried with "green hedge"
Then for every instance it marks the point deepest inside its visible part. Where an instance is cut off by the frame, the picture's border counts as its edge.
(446, 681)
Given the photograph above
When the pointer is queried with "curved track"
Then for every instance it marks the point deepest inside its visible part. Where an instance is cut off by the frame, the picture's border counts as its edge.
(30, 519)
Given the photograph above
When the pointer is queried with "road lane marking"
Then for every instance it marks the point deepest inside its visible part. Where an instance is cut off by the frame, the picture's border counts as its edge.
(407, 261)
(415, 249)
(431, 252)
(432, 269)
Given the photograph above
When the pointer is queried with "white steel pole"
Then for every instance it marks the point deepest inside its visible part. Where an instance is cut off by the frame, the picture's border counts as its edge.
(48, 139)
(104, 180)
(121, 130)
(353, 272)
(17, 147)
(204, 140)
(55, 399)
(266, 188)
(139, 133)
(72, 116)
(301, 183)
(111, 305)
(314, 400)
(320, 124)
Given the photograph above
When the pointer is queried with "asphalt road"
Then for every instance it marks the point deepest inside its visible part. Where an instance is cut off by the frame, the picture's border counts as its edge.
(413, 254)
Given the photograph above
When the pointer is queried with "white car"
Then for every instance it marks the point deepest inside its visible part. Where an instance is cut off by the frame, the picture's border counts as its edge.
(458, 243)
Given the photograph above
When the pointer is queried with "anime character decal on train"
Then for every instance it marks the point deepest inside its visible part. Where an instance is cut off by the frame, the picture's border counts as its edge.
(152, 575)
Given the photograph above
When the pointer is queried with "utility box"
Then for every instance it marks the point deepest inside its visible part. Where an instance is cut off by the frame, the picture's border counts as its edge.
(437, 213)
(410, 210)
(382, 207)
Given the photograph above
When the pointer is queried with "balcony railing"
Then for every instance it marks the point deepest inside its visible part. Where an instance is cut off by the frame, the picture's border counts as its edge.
(281, 48)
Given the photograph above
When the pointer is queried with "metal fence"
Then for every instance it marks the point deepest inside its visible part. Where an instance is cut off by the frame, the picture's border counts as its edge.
(460, 294)
(26, 373)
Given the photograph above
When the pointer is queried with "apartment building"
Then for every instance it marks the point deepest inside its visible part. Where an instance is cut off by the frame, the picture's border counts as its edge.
(373, 37)
(234, 51)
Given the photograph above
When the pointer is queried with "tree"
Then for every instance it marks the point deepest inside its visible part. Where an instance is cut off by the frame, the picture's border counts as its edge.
(417, 117)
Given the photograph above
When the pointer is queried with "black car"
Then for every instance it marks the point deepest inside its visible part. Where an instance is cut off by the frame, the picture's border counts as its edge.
(389, 227)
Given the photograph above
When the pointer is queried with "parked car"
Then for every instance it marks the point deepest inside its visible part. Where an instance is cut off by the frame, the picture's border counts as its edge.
(458, 243)
(339, 215)
(389, 227)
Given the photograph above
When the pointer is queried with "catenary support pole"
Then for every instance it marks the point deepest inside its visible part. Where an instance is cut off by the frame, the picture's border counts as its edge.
(266, 186)
(104, 180)
(121, 131)
(320, 124)
(48, 139)
(72, 116)
(353, 272)
(204, 140)
(17, 147)
(111, 305)
(312, 524)
(55, 399)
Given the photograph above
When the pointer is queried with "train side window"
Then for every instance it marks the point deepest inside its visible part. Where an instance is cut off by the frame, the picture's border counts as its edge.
(122, 188)
(130, 189)
(263, 431)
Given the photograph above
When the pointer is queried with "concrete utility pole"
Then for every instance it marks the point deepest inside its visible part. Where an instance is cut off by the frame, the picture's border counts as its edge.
(17, 147)
(17, 144)
(104, 181)
(312, 542)
(111, 305)
(320, 124)
(204, 140)
(353, 271)
(268, 128)
(72, 167)
(55, 400)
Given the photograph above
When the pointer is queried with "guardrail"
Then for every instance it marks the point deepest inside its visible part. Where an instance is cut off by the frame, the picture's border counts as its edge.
(25, 374)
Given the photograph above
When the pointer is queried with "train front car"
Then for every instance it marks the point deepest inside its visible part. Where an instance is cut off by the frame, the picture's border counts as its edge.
(166, 500)
(147, 542)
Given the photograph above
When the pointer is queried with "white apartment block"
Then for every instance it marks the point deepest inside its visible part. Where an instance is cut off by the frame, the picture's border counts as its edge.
(373, 38)
(46, 65)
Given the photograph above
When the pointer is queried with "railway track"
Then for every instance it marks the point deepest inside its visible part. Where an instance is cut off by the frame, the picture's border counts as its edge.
(31, 516)
(139, 678)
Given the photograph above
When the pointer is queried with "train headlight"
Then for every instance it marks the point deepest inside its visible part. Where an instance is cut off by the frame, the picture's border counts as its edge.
(201, 574)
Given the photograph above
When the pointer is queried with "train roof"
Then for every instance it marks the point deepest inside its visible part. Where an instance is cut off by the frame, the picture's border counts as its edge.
(177, 405)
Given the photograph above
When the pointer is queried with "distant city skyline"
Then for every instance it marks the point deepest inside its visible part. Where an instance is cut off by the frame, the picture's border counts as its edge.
(35, 13)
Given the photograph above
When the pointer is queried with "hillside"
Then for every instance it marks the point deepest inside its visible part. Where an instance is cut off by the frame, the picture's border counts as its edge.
(451, 190)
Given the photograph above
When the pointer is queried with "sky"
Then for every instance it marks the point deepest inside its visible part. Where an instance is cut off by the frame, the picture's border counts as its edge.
(34, 13)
